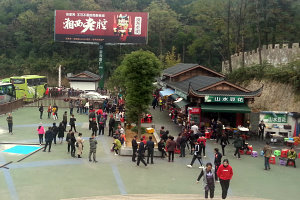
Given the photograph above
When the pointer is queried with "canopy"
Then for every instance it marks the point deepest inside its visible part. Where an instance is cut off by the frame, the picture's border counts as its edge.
(181, 104)
(174, 96)
(166, 92)
(226, 108)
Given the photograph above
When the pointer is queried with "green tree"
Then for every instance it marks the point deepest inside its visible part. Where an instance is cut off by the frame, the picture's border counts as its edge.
(141, 67)
(171, 58)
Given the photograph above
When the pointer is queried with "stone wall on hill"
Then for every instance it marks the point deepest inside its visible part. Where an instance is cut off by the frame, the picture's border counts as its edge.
(274, 54)
(275, 97)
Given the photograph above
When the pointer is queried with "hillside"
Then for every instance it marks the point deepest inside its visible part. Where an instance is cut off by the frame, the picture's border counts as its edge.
(275, 96)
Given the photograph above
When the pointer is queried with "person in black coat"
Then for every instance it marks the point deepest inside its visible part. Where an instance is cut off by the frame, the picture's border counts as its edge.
(223, 143)
(72, 144)
(161, 148)
(134, 148)
(165, 136)
(72, 123)
(150, 148)
(111, 125)
(61, 132)
(217, 162)
(182, 145)
(141, 152)
(48, 138)
(55, 131)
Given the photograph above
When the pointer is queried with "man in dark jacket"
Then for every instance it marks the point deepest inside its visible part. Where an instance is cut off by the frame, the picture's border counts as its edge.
(217, 162)
(150, 148)
(141, 152)
(134, 148)
(65, 119)
(41, 109)
(55, 131)
(48, 139)
(182, 145)
(111, 125)
(101, 125)
(238, 143)
(72, 123)
(93, 148)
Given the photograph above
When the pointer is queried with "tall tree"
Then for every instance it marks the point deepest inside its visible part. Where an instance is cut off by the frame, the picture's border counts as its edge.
(141, 67)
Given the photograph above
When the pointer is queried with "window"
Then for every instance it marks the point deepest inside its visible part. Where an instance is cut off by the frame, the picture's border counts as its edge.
(30, 82)
(18, 81)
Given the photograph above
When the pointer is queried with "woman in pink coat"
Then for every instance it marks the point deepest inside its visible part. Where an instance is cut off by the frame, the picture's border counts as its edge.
(41, 132)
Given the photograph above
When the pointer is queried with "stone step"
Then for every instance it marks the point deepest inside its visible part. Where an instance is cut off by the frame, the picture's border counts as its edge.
(159, 197)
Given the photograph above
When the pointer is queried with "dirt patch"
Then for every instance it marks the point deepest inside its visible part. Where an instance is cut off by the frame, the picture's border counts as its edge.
(130, 134)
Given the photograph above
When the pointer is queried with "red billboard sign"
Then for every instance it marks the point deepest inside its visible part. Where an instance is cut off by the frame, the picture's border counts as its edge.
(101, 27)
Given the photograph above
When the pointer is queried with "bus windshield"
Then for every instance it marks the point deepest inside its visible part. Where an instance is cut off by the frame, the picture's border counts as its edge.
(17, 80)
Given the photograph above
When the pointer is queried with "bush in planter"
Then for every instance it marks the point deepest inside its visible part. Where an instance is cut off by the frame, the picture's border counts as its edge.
(143, 129)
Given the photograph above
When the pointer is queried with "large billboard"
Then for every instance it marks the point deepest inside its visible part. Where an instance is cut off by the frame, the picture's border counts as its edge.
(101, 27)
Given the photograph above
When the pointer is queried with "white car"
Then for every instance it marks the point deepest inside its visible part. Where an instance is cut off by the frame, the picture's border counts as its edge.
(93, 96)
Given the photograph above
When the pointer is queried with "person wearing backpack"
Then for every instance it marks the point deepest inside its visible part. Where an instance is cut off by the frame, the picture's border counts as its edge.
(41, 109)
(196, 155)
(238, 143)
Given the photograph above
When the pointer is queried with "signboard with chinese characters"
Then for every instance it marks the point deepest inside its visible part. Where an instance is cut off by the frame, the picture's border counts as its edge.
(277, 118)
(101, 27)
(224, 99)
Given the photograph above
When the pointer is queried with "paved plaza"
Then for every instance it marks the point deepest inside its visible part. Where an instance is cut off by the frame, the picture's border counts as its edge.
(56, 175)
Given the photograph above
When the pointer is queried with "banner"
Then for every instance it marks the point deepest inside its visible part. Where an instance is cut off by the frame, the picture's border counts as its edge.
(224, 99)
(101, 27)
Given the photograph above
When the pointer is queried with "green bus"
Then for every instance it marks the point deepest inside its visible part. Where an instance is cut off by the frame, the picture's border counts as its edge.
(7, 92)
(29, 87)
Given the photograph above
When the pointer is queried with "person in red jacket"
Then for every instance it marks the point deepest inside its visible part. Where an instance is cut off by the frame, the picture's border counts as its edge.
(202, 143)
(225, 174)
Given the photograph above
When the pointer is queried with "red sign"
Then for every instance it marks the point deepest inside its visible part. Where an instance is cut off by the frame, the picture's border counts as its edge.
(101, 27)
(195, 111)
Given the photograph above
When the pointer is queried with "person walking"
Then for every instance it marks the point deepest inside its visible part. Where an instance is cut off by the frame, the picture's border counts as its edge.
(9, 120)
(111, 125)
(101, 124)
(93, 148)
(217, 162)
(225, 174)
(161, 147)
(238, 143)
(72, 123)
(134, 148)
(71, 106)
(65, 120)
(141, 153)
(79, 145)
(68, 139)
(61, 132)
(208, 175)
(94, 126)
(48, 139)
(202, 144)
(49, 111)
(196, 155)
(171, 145)
(55, 131)
(223, 143)
(267, 154)
(72, 144)
(261, 130)
(150, 149)
(41, 132)
(41, 109)
(182, 145)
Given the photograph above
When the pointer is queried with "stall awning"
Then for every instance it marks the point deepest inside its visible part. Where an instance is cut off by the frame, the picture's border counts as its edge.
(174, 97)
(181, 104)
(166, 92)
(225, 108)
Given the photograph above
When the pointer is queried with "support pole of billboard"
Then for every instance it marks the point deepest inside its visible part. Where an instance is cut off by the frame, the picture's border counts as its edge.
(59, 76)
(101, 65)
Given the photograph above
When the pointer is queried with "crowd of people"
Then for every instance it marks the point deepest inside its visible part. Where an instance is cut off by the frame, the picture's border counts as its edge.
(110, 116)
